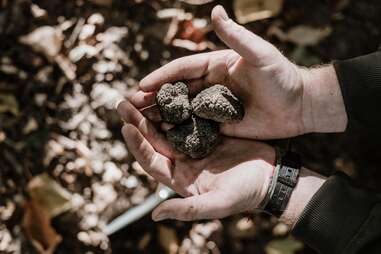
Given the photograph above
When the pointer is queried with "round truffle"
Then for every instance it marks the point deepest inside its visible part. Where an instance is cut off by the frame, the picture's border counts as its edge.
(173, 102)
(196, 137)
(219, 104)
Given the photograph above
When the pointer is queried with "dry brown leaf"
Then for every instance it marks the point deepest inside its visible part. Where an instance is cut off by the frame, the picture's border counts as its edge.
(197, 2)
(30, 126)
(283, 246)
(306, 35)
(49, 195)
(168, 239)
(3, 136)
(242, 228)
(67, 67)
(106, 3)
(46, 40)
(251, 10)
(36, 223)
(301, 35)
(8, 103)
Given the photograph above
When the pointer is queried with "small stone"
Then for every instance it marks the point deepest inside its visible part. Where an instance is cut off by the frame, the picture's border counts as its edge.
(174, 103)
(219, 104)
(197, 137)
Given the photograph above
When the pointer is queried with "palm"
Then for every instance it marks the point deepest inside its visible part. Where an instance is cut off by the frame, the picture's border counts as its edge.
(270, 95)
(224, 176)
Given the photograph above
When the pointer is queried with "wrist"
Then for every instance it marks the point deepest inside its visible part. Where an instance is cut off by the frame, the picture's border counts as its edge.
(283, 182)
(267, 175)
(323, 107)
(308, 184)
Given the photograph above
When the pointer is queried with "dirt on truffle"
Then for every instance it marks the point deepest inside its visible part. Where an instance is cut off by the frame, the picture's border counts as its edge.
(219, 104)
(173, 102)
(197, 137)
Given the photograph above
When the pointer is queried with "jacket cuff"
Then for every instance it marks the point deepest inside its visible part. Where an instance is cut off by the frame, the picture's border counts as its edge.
(360, 82)
(334, 215)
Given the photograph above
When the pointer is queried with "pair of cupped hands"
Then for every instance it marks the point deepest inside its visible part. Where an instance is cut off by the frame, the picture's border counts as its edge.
(235, 177)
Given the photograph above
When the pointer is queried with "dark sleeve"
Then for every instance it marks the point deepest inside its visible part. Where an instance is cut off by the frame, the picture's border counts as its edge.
(360, 81)
(341, 219)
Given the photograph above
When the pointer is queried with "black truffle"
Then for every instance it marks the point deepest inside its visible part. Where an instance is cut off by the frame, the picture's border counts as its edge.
(173, 102)
(197, 137)
(219, 104)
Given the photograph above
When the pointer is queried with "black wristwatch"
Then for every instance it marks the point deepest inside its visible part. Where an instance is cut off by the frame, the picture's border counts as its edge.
(282, 184)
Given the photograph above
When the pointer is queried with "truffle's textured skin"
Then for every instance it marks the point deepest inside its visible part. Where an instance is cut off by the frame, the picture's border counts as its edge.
(197, 137)
(219, 104)
(173, 102)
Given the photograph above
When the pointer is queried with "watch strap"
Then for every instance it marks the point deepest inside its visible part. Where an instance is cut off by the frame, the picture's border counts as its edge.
(284, 180)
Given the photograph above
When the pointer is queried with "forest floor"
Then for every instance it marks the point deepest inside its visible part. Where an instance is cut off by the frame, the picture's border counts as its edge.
(64, 64)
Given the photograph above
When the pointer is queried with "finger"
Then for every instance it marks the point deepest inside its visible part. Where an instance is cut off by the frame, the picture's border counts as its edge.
(152, 113)
(197, 85)
(142, 99)
(133, 116)
(157, 165)
(250, 46)
(185, 68)
(210, 205)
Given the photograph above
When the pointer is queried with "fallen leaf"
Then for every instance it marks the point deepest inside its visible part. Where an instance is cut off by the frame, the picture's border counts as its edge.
(283, 246)
(38, 12)
(197, 2)
(193, 30)
(242, 228)
(3, 136)
(30, 126)
(82, 50)
(36, 223)
(171, 13)
(67, 67)
(49, 195)
(251, 10)
(280, 229)
(143, 243)
(168, 239)
(306, 35)
(46, 40)
(8, 103)
(106, 3)
(86, 31)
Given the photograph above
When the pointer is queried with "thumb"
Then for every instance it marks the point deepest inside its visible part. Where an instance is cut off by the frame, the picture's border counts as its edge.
(253, 48)
(210, 205)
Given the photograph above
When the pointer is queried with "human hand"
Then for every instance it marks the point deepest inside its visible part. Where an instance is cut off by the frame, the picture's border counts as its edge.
(233, 179)
(280, 99)
(269, 85)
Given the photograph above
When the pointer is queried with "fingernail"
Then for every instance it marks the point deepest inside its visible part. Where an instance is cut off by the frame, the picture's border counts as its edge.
(118, 102)
(224, 15)
(159, 217)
